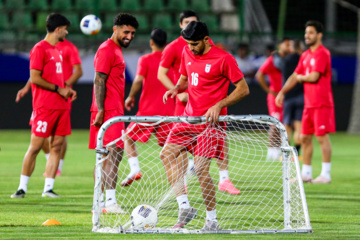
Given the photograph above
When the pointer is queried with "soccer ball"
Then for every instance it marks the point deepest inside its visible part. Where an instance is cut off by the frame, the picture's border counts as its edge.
(90, 25)
(144, 216)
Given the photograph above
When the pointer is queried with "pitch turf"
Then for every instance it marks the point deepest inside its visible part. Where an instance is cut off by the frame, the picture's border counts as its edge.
(334, 209)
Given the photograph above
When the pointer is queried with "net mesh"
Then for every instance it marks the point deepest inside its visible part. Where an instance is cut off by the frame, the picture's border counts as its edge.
(270, 196)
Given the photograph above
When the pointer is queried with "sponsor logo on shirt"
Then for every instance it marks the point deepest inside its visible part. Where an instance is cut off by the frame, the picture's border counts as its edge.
(207, 68)
(322, 127)
(189, 63)
(52, 58)
(312, 62)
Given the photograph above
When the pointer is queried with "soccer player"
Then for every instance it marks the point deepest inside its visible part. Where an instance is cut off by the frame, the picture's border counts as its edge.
(206, 71)
(275, 83)
(108, 100)
(294, 99)
(171, 59)
(314, 72)
(50, 104)
(72, 72)
(150, 104)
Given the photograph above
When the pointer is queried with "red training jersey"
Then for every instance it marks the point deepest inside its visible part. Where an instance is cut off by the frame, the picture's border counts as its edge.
(110, 60)
(209, 76)
(275, 78)
(70, 55)
(151, 100)
(319, 93)
(47, 59)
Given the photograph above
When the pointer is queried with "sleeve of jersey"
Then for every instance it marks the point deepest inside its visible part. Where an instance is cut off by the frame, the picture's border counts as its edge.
(321, 61)
(103, 61)
(37, 58)
(299, 68)
(231, 69)
(265, 68)
(182, 69)
(167, 57)
(74, 56)
(141, 67)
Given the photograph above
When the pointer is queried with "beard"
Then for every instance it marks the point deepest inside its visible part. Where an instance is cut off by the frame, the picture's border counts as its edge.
(311, 42)
(123, 44)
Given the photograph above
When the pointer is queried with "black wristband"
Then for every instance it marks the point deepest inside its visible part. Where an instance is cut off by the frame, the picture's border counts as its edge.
(56, 88)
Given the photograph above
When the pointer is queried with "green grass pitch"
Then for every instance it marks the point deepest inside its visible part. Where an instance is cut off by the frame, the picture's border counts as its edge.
(334, 209)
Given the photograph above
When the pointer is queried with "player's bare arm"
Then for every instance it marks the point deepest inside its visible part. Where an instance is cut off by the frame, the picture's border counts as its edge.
(78, 72)
(241, 90)
(35, 76)
(164, 79)
(313, 77)
(99, 81)
(180, 87)
(135, 88)
(260, 77)
(290, 83)
(22, 92)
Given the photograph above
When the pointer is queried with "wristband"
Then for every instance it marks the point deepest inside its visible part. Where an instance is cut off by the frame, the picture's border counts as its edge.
(56, 88)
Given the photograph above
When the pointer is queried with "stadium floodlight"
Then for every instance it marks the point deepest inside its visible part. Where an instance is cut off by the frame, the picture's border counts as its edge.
(272, 198)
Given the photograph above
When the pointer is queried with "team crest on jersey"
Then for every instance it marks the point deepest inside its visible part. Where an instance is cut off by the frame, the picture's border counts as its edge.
(207, 68)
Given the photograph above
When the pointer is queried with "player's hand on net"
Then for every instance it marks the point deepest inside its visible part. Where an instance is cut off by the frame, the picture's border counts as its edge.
(183, 97)
(212, 114)
(99, 119)
(279, 99)
(171, 93)
(20, 94)
(129, 103)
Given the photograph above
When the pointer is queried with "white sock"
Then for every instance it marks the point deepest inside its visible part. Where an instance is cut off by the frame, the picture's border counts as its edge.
(325, 170)
(23, 182)
(61, 163)
(224, 175)
(134, 165)
(183, 201)
(49, 184)
(47, 156)
(211, 215)
(307, 170)
(110, 197)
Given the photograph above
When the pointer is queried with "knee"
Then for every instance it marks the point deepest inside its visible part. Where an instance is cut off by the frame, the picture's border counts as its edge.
(306, 139)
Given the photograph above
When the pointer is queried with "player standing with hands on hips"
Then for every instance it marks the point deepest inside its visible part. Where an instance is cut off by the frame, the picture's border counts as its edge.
(314, 72)
(206, 72)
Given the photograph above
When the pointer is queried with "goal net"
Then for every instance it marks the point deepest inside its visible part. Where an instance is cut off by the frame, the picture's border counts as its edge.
(271, 198)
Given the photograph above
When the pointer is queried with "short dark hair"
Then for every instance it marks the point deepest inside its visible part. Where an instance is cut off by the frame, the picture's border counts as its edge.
(316, 24)
(195, 31)
(55, 20)
(188, 13)
(270, 47)
(126, 19)
(243, 45)
(159, 37)
(283, 40)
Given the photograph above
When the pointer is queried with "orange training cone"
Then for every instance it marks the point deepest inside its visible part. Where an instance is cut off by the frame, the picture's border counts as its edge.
(51, 222)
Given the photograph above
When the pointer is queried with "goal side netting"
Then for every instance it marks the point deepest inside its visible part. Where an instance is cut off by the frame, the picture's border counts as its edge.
(271, 199)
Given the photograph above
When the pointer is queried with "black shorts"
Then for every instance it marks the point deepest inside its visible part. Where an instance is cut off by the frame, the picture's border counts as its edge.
(293, 109)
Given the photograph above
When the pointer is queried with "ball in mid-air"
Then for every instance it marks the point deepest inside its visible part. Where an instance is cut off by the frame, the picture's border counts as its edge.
(90, 25)
(144, 216)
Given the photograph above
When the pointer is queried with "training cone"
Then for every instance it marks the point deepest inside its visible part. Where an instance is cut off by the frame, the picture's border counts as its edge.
(51, 222)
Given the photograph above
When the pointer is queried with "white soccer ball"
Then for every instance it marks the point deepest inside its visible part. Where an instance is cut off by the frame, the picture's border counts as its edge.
(90, 24)
(144, 216)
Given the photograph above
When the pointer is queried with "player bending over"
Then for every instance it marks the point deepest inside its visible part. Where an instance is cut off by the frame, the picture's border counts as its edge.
(206, 72)
(150, 104)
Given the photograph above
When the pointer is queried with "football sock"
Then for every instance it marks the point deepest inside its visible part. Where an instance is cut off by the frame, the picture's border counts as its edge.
(325, 170)
(49, 184)
(23, 182)
(183, 201)
(223, 175)
(134, 165)
(61, 163)
(110, 197)
(298, 149)
(307, 170)
(47, 156)
(211, 215)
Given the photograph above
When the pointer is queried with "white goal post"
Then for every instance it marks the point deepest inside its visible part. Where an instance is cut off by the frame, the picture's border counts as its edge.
(272, 198)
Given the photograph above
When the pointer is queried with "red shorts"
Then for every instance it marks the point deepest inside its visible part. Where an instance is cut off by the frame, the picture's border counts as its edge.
(50, 122)
(143, 133)
(179, 107)
(111, 134)
(201, 140)
(319, 120)
(274, 111)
